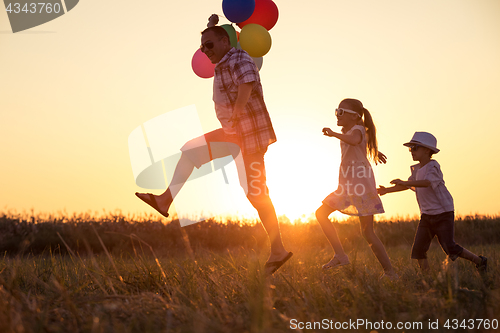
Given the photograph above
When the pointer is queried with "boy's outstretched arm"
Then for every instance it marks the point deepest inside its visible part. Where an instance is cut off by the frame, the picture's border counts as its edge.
(396, 188)
(411, 183)
(401, 185)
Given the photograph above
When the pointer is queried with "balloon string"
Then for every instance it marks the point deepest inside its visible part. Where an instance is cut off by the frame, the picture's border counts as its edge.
(232, 23)
(224, 17)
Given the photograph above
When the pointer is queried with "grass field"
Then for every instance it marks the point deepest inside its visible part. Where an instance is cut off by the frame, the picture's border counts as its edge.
(120, 274)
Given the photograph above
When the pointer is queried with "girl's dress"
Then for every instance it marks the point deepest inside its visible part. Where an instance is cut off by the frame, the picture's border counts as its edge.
(357, 192)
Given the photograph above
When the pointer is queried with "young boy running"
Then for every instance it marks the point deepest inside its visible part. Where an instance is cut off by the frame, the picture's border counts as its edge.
(435, 203)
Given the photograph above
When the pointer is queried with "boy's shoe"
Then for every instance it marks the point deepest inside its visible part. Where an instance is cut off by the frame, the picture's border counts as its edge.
(483, 266)
(336, 262)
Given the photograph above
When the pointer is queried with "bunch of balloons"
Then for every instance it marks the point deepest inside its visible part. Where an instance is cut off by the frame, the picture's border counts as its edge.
(255, 18)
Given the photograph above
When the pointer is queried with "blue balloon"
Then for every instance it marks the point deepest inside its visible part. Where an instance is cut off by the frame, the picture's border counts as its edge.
(238, 10)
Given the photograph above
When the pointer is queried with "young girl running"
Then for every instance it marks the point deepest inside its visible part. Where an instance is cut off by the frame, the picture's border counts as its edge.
(356, 193)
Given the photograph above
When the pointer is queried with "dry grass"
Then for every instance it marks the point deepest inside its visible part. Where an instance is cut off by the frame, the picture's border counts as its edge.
(120, 275)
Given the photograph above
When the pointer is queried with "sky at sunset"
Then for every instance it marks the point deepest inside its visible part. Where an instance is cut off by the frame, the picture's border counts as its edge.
(73, 90)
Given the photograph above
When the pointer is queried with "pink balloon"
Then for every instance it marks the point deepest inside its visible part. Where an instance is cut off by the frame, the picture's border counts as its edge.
(265, 14)
(202, 66)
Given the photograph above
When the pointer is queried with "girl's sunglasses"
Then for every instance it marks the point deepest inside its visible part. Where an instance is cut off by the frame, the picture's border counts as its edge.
(340, 112)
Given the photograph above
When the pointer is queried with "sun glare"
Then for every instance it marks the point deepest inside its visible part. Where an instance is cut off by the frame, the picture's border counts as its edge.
(299, 177)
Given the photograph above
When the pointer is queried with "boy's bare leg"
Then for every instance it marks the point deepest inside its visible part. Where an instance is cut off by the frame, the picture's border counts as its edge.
(466, 254)
(424, 265)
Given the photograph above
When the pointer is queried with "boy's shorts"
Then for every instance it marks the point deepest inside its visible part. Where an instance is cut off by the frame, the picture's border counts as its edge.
(217, 144)
(440, 225)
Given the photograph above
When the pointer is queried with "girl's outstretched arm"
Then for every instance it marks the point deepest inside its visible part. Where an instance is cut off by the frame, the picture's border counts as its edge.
(352, 139)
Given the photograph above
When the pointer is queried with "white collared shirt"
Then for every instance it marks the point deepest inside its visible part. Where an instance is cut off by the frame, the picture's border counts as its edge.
(434, 199)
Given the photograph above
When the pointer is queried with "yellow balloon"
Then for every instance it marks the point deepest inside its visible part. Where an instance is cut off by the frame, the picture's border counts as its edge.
(255, 39)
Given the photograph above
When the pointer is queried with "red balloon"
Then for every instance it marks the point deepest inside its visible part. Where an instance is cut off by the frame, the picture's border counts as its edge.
(265, 14)
(202, 66)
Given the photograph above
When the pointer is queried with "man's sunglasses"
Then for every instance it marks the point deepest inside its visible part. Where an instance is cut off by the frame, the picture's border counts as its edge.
(340, 112)
(209, 45)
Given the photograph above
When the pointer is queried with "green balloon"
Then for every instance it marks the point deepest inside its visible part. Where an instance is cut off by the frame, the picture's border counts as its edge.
(233, 39)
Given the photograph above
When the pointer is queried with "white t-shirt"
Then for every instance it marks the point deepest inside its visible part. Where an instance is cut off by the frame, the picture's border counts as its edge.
(434, 199)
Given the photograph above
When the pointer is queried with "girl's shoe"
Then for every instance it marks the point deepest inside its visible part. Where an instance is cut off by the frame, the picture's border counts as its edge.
(336, 262)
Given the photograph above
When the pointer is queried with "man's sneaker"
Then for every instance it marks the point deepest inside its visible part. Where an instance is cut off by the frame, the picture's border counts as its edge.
(336, 262)
(483, 266)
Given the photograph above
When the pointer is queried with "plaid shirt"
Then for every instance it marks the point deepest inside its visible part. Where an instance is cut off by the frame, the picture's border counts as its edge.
(254, 129)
